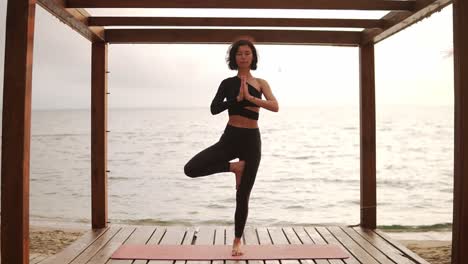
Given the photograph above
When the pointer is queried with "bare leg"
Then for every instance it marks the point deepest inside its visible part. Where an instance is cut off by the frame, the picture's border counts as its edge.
(238, 169)
(236, 247)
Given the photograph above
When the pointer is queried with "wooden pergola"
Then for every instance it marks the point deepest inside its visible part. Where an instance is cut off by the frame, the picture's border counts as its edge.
(18, 74)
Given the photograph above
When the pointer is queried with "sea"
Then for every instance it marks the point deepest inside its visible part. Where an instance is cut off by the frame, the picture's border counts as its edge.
(309, 172)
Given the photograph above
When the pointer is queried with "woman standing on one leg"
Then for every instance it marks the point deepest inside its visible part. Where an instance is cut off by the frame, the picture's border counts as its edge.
(241, 138)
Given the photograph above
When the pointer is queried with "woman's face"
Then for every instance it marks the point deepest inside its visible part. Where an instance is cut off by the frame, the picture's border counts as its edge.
(244, 57)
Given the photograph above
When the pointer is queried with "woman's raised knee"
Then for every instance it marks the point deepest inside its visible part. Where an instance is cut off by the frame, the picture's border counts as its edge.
(189, 170)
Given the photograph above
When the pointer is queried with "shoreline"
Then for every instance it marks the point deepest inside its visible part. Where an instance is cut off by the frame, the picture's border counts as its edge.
(47, 239)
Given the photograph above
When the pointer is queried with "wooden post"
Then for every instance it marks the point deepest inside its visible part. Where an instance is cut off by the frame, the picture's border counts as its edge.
(16, 131)
(367, 136)
(99, 135)
(460, 190)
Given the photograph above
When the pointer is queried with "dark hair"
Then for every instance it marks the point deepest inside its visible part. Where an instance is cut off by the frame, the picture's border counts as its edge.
(231, 59)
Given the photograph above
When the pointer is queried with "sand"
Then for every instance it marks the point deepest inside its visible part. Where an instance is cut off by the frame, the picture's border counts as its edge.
(434, 251)
(48, 240)
(435, 247)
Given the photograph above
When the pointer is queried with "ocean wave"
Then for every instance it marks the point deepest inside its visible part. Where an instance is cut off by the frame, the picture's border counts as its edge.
(59, 135)
(305, 157)
(267, 222)
(216, 206)
(170, 222)
(294, 207)
(118, 178)
(45, 218)
(417, 228)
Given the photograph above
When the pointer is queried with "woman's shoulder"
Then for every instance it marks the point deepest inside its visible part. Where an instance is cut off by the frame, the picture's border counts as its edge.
(263, 83)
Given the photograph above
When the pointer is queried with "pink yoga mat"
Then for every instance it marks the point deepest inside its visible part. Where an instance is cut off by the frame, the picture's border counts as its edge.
(221, 252)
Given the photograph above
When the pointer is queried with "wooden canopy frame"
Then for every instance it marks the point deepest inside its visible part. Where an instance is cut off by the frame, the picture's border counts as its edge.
(18, 75)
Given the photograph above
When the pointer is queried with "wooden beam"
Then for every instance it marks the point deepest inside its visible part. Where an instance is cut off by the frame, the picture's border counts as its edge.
(99, 135)
(339, 38)
(16, 131)
(258, 4)
(233, 22)
(460, 190)
(397, 21)
(367, 137)
(77, 19)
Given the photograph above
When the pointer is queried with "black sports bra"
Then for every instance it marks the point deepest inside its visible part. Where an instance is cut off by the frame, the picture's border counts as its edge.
(229, 89)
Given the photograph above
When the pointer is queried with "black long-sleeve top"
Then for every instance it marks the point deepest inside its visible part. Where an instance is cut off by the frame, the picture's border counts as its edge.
(229, 90)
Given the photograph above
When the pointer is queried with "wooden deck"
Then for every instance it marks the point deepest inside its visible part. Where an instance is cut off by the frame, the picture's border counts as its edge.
(364, 245)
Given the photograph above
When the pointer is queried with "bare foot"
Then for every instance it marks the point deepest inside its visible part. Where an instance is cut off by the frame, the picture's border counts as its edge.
(236, 248)
(238, 169)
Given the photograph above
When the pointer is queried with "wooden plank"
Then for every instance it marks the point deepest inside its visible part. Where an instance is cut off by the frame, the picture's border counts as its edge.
(189, 237)
(234, 22)
(204, 236)
(220, 239)
(38, 259)
(368, 247)
(306, 239)
(460, 190)
(264, 239)
(250, 238)
(154, 240)
(330, 239)
(125, 36)
(410, 254)
(16, 131)
(292, 238)
(76, 248)
(260, 4)
(367, 136)
(85, 255)
(173, 236)
(33, 256)
(361, 254)
(391, 252)
(141, 236)
(279, 238)
(77, 19)
(104, 254)
(397, 21)
(99, 135)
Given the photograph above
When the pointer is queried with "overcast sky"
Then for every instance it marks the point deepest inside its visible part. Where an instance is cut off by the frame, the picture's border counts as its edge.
(412, 67)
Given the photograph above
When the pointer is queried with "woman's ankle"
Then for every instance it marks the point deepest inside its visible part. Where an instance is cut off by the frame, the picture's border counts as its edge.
(231, 166)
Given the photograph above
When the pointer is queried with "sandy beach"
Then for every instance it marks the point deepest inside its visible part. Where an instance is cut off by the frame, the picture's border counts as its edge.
(434, 251)
(434, 247)
(49, 240)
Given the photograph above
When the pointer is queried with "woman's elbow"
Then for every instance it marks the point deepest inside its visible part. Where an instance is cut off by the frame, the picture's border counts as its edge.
(213, 110)
(276, 108)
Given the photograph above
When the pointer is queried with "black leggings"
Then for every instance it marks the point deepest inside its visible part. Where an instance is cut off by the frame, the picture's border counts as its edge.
(242, 143)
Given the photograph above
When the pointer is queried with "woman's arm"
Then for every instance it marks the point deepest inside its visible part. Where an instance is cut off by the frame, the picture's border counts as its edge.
(218, 104)
(270, 103)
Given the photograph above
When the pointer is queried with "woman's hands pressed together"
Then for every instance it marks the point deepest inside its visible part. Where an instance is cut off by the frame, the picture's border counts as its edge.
(241, 95)
(244, 90)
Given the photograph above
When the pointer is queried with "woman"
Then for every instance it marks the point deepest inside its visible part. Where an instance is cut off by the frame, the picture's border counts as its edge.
(241, 138)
